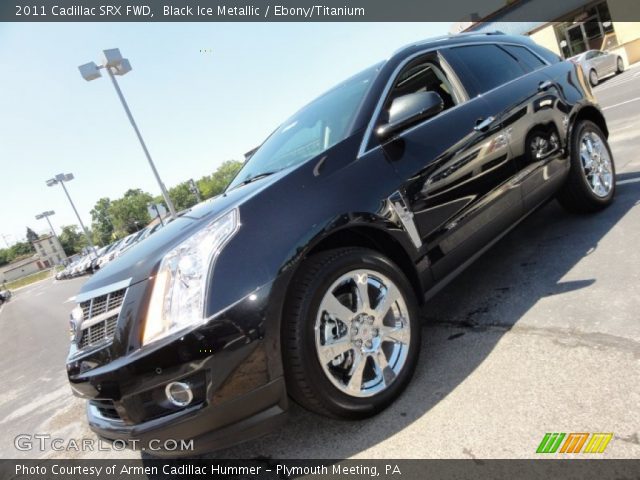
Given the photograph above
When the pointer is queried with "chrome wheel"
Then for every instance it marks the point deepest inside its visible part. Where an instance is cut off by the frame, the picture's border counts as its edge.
(593, 78)
(362, 333)
(596, 164)
(620, 65)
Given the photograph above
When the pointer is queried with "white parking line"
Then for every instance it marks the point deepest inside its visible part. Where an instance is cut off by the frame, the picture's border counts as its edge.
(614, 83)
(621, 103)
(629, 180)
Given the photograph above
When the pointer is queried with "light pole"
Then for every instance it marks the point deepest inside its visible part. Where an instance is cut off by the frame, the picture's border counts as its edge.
(46, 216)
(61, 178)
(114, 64)
(4, 237)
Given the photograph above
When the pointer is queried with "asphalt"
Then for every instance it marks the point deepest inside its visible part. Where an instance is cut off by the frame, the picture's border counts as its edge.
(539, 335)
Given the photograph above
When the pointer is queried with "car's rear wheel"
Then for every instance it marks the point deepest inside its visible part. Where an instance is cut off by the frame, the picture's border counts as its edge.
(620, 65)
(591, 183)
(593, 78)
(351, 333)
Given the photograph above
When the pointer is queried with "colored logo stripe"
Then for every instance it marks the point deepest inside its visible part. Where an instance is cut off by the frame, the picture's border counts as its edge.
(550, 443)
(598, 442)
(574, 443)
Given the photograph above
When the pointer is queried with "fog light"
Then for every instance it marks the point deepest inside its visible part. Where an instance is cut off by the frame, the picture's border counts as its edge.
(179, 394)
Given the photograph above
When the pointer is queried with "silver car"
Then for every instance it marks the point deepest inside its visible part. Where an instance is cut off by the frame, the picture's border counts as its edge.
(597, 64)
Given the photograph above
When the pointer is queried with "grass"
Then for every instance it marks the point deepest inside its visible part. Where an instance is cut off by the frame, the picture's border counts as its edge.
(28, 280)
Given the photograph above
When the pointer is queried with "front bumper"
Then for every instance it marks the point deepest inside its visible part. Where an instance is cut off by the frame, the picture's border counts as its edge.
(232, 363)
(209, 427)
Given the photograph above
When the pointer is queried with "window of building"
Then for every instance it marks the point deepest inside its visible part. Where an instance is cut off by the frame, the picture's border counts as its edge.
(588, 29)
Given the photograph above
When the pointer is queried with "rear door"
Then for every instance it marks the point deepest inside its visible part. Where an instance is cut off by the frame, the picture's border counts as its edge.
(527, 107)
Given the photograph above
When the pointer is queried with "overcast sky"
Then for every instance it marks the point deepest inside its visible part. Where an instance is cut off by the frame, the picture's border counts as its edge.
(201, 94)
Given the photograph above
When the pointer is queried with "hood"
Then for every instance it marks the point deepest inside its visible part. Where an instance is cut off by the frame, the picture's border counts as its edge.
(139, 262)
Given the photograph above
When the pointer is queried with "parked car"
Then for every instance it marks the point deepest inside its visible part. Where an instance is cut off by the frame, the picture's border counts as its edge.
(108, 254)
(5, 295)
(99, 254)
(303, 280)
(597, 64)
(130, 241)
(150, 231)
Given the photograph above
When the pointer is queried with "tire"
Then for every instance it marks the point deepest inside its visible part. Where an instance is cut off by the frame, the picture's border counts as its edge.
(327, 387)
(619, 65)
(593, 77)
(578, 194)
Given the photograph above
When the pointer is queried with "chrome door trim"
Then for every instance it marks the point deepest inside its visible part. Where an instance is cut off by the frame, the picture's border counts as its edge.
(405, 216)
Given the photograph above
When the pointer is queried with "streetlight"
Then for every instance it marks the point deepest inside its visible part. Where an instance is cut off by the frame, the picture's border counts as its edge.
(61, 178)
(114, 64)
(46, 216)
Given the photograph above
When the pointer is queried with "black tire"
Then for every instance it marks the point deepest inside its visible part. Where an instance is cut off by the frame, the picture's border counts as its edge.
(576, 194)
(307, 383)
(593, 77)
(620, 65)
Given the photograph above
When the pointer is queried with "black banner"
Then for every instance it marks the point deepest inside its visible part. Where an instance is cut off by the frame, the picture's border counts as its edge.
(268, 469)
(463, 11)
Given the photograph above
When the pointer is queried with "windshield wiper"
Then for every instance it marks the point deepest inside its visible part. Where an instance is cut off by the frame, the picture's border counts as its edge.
(253, 178)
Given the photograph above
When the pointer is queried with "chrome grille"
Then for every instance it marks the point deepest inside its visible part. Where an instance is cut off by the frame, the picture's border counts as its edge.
(100, 318)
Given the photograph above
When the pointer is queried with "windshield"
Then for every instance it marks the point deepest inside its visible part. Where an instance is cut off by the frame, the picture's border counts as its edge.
(314, 129)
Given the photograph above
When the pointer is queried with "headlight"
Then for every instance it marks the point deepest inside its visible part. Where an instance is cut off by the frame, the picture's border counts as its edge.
(177, 299)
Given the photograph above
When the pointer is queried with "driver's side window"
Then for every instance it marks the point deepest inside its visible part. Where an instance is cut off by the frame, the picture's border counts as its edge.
(424, 74)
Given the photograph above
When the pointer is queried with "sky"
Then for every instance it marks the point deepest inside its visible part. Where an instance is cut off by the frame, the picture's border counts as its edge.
(201, 93)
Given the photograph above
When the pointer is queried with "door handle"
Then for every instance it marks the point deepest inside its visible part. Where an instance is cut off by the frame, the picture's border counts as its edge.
(544, 86)
(483, 124)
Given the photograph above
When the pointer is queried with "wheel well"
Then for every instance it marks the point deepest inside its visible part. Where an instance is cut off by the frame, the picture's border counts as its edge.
(379, 241)
(594, 115)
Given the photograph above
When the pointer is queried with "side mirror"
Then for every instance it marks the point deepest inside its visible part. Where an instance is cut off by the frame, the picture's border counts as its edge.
(410, 109)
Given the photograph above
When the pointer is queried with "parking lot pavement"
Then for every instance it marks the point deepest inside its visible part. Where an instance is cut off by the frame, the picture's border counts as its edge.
(619, 97)
(539, 335)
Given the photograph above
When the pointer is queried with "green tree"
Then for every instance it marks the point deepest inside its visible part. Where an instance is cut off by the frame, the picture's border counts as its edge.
(31, 235)
(4, 256)
(213, 185)
(72, 240)
(129, 213)
(182, 196)
(102, 225)
(20, 249)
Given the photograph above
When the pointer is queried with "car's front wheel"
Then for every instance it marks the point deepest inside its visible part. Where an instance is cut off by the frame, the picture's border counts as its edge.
(620, 65)
(351, 333)
(593, 78)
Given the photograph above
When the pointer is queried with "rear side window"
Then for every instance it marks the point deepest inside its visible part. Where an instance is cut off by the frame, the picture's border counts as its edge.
(484, 67)
(527, 60)
(548, 55)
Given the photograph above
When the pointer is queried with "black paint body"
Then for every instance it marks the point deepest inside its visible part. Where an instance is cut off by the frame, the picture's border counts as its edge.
(465, 187)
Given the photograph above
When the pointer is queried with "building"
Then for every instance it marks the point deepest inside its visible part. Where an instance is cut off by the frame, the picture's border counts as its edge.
(49, 250)
(577, 26)
(20, 268)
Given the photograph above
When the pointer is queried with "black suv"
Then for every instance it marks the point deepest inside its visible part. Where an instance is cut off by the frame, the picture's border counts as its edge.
(304, 278)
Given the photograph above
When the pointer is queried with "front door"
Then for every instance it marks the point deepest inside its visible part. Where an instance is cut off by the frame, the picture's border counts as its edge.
(457, 170)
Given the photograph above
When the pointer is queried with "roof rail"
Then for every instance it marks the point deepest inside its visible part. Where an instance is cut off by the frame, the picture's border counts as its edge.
(467, 34)
(447, 37)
